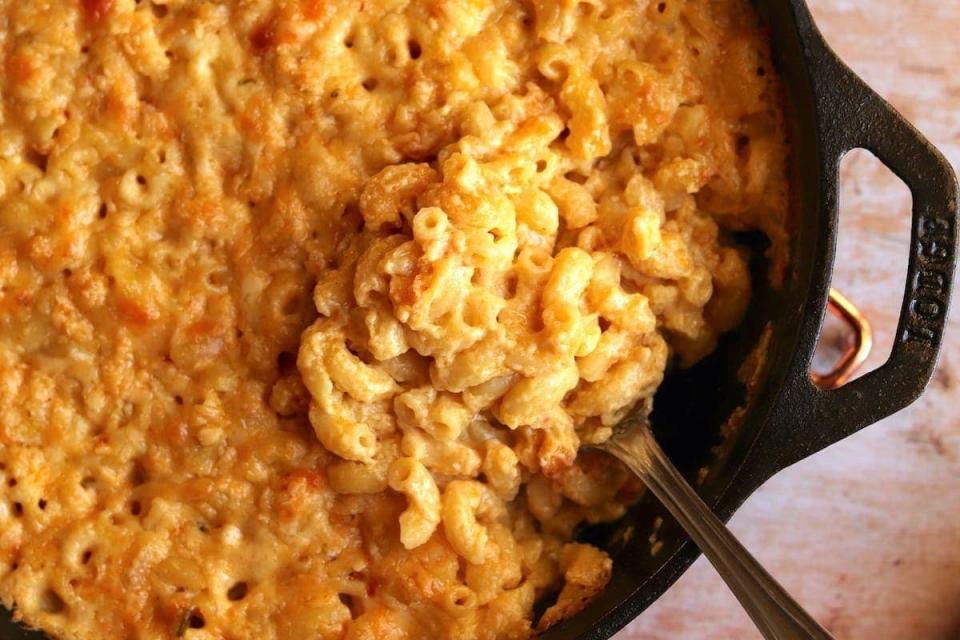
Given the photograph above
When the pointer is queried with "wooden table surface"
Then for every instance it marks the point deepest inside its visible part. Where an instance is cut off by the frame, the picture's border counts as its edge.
(865, 534)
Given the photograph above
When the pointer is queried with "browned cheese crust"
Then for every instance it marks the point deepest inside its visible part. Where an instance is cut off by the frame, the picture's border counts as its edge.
(307, 306)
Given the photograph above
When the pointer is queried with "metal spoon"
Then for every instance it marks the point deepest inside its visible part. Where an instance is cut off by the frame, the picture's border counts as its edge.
(773, 610)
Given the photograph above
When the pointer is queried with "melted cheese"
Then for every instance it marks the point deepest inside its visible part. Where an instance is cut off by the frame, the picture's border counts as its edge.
(175, 179)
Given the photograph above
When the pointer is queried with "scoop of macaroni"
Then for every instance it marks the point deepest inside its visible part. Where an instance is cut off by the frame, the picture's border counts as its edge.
(308, 306)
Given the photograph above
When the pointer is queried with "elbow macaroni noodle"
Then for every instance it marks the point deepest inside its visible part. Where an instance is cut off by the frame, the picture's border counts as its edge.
(420, 519)
(308, 307)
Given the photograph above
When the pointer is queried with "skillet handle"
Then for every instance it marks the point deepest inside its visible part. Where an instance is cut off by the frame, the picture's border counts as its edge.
(854, 116)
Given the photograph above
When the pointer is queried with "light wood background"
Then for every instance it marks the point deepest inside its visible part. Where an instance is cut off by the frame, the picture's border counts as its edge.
(867, 533)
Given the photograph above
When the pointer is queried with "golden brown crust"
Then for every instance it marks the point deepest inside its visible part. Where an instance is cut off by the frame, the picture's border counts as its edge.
(185, 187)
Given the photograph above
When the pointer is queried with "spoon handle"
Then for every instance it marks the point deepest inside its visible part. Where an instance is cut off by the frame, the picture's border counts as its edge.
(773, 610)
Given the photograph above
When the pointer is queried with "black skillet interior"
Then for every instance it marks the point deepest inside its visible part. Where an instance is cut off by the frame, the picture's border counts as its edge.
(829, 112)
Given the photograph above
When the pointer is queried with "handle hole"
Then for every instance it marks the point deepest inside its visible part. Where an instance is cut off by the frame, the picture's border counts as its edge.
(846, 339)
(836, 339)
(873, 246)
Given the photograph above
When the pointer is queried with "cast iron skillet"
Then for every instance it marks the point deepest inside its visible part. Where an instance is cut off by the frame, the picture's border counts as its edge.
(830, 111)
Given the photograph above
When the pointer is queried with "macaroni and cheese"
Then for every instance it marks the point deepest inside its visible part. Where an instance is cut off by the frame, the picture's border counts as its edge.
(307, 307)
